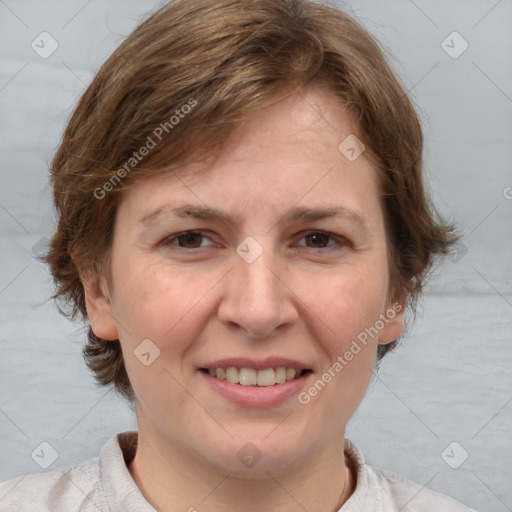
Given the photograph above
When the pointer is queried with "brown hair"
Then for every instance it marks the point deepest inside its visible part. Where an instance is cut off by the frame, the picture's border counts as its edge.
(222, 60)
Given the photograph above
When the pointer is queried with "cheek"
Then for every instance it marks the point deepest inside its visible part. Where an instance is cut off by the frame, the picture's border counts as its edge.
(349, 300)
(157, 304)
(161, 302)
(344, 314)
(349, 305)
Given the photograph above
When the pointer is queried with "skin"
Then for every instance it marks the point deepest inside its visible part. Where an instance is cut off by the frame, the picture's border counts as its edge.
(306, 298)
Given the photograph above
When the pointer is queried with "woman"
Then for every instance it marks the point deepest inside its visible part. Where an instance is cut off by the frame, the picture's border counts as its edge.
(243, 223)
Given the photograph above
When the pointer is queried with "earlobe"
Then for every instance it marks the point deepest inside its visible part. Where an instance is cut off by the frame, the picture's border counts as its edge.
(393, 320)
(99, 307)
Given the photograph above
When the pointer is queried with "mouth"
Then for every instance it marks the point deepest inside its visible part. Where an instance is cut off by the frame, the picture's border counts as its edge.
(265, 377)
(250, 382)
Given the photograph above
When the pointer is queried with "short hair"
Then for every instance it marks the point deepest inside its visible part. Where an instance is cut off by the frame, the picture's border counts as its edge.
(188, 75)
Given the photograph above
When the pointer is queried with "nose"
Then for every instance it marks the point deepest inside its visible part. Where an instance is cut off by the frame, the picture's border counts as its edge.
(257, 300)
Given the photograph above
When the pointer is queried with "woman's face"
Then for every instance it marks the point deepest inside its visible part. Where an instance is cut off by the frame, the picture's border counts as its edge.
(286, 267)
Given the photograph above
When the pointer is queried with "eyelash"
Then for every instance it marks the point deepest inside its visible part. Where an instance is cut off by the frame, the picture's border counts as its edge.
(168, 242)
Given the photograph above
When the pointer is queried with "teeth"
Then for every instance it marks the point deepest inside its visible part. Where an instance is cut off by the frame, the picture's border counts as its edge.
(290, 373)
(232, 375)
(248, 376)
(266, 377)
(280, 375)
(252, 377)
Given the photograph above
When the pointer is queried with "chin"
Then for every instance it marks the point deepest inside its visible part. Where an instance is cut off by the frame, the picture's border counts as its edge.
(259, 458)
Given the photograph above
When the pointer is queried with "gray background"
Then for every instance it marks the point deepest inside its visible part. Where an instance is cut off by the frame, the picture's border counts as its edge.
(450, 381)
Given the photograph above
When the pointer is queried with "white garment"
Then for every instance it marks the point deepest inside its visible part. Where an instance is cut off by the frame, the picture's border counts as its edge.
(104, 484)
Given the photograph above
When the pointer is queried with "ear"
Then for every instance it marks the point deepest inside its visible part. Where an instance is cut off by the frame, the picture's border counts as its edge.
(393, 320)
(98, 304)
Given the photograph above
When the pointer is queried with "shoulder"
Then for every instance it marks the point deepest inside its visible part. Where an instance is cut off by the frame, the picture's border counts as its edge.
(102, 483)
(73, 487)
(412, 497)
(377, 490)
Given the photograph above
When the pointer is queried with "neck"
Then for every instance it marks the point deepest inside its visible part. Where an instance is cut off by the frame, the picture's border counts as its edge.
(171, 479)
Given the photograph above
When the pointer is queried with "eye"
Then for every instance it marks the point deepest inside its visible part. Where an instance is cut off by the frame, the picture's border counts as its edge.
(191, 240)
(186, 240)
(322, 240)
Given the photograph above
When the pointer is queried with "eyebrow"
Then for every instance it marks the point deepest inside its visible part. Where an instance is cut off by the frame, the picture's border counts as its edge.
(294, 215)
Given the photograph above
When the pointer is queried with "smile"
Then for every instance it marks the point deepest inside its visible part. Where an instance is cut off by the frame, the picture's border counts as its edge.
(252, 377)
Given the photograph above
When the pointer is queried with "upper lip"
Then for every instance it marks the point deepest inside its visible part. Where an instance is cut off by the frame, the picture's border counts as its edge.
(262, 364)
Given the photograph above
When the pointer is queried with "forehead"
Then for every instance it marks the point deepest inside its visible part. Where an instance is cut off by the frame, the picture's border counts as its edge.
(313, 121)
(280, 155)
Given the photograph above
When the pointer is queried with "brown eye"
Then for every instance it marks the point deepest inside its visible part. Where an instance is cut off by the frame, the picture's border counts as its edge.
(190, 240)
(186, 240)
(317, 240)
(323, 241)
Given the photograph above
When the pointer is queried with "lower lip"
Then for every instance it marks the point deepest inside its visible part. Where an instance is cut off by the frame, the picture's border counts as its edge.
(256, 396)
